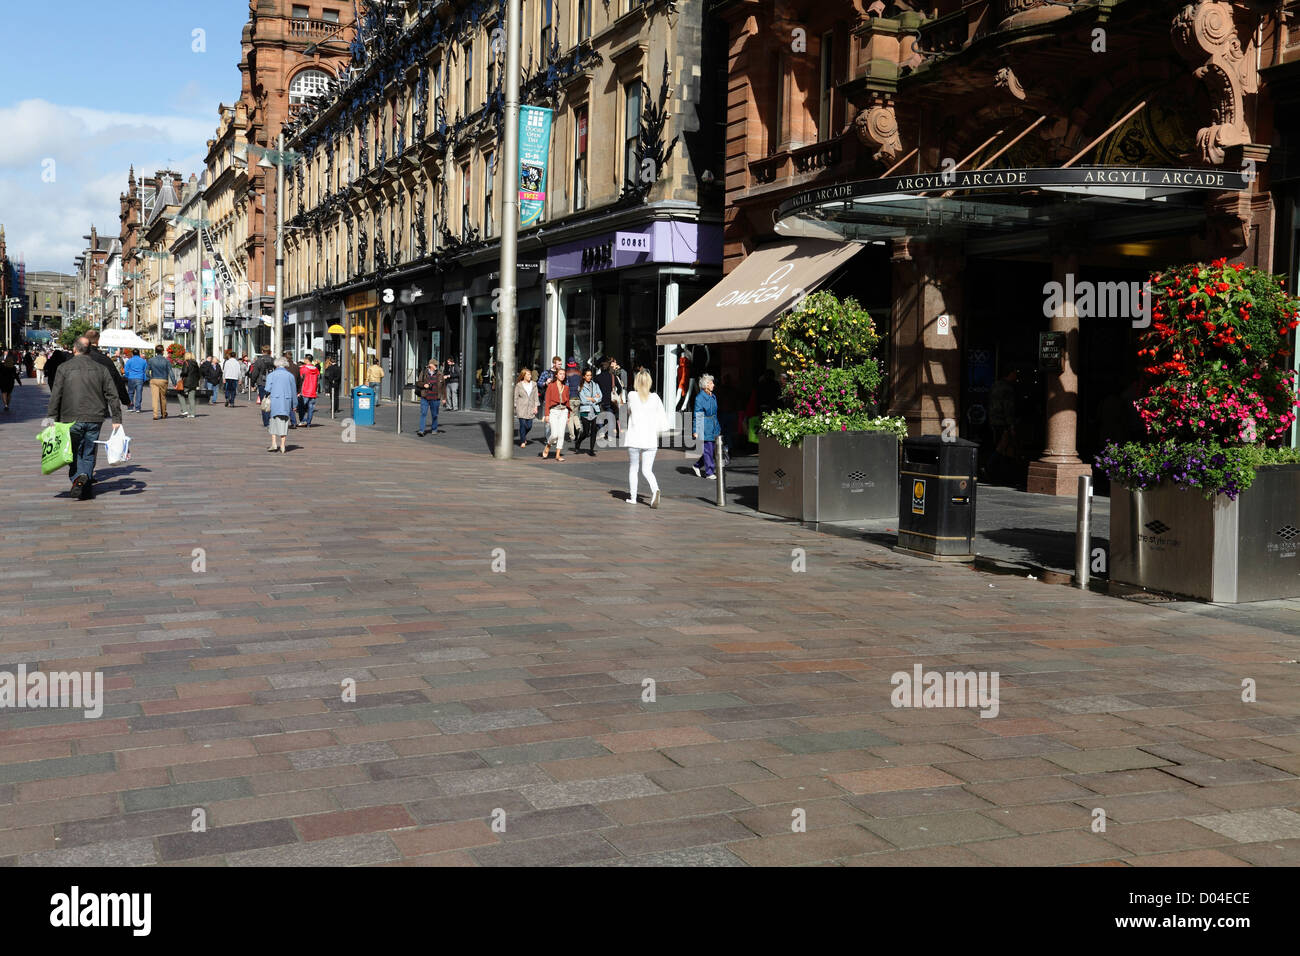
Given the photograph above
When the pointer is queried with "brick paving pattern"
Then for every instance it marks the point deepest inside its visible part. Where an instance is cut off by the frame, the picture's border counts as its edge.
(517, 697)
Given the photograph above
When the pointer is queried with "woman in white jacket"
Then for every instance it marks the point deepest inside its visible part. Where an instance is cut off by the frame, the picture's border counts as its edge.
(646, 419)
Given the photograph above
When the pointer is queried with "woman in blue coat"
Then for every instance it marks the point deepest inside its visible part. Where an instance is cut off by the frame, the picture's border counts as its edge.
(282, 393)
(706, 427)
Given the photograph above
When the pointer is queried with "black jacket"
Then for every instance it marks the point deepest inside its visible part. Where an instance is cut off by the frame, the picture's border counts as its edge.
(332, 378)
(262, 366)
(190, 374)
(118, 382)
(84, 392)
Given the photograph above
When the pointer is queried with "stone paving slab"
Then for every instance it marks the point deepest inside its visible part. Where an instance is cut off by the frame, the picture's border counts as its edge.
(489, 727)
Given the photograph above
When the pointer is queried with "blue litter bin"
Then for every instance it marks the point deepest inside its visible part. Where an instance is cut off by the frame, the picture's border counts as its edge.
(363, 405)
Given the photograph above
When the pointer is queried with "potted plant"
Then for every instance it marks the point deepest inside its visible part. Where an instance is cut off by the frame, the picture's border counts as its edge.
(828, 455)
(1209, 505)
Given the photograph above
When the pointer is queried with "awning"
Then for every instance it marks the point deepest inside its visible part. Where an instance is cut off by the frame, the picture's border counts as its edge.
(744, 305)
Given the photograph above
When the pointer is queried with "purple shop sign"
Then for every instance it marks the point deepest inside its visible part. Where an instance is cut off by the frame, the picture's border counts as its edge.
(680, 243)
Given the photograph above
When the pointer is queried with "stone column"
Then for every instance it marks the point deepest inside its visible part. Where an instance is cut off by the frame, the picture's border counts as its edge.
(925, 366)
(1058, 471)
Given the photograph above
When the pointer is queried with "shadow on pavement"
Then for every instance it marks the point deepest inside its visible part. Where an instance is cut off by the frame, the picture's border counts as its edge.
(489, 435)
(1048, 548)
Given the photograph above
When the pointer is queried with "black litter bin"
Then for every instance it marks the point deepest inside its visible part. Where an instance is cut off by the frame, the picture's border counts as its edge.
(936, 498)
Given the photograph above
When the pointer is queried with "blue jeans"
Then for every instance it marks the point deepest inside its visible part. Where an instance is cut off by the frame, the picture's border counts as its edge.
(525, 426)
(212, 393)
(429, 407)
(266, 416)
(84, 435)
(135, 388)
(309, 410)
(232, 384)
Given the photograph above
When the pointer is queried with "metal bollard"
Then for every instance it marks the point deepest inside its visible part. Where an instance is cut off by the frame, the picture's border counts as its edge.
(399, 413)
(1083, 533)
(334, 402)
(717, 467)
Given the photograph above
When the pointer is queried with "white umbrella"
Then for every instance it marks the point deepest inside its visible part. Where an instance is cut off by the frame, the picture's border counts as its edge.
(122, 339)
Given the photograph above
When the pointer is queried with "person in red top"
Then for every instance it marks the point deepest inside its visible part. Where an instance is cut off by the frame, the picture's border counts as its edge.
(309, 389)
(557, 416)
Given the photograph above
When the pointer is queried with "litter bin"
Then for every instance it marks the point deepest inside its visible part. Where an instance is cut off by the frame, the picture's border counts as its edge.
(936, 498)
(363, 405)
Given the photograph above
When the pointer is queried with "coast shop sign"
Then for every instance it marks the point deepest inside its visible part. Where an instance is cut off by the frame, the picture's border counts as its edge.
(1133, 177)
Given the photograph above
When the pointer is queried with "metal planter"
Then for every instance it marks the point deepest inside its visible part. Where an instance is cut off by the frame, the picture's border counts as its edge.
(844, 476)
(1174, 540)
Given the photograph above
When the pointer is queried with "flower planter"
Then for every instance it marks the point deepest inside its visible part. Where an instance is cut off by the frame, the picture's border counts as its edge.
(1174, 540)
(843, 476)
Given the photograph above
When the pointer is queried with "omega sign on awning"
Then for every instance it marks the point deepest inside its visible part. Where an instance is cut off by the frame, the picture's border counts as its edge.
(743, 306)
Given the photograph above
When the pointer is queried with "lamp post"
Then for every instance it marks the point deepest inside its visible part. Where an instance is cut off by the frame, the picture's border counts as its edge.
(11, 302)
(277, 159)
(509, 238)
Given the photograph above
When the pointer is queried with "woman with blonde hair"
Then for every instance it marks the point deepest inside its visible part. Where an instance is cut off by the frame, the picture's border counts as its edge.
(646, 419)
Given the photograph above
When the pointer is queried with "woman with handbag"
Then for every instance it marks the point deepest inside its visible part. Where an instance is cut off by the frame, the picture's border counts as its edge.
(646, 419)
(187, 386)
(281, 395)
(525, 404)
(557, 416)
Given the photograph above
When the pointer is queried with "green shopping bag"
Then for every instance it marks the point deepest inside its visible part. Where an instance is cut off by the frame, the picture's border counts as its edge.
(56, 447)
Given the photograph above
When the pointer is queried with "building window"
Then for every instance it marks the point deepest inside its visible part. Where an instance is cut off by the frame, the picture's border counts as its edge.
(544, 38)
(631, 131)
(827, 85)
(307, 83)
(464, 201)
(301, 12)
(580, 158)
(330, 16)
(489, 174)
(469, 78)
(584, 19)
(491, 70)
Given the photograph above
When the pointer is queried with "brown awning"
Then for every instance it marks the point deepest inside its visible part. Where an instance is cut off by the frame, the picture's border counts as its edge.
(744, 305)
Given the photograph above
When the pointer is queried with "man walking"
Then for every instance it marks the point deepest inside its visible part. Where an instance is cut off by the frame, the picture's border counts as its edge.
(231, 372)
(453, 385)
(137, 371)
(160, 371)
(430, 387)
(83, 394)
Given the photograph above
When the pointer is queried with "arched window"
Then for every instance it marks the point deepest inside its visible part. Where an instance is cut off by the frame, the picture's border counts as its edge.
(307, 83)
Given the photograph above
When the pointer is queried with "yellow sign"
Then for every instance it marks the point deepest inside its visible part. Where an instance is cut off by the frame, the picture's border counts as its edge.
(918, 496)
(361, 300)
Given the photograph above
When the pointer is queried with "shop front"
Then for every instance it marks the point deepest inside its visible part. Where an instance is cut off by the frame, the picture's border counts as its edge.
(361, 341)
(1018, 298)
(476, 307)
(614, 291)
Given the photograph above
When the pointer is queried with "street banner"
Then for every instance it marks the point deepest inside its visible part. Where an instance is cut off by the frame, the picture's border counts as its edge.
(207, 286)
(222, 270)
(169, 304)
(534, 150)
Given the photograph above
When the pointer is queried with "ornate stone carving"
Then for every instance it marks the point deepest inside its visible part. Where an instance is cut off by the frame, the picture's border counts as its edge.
(877, 129)
(1005, 79)
(1208, 35)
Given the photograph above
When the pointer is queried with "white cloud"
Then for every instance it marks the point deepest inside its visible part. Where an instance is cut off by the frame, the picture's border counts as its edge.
(91, 152)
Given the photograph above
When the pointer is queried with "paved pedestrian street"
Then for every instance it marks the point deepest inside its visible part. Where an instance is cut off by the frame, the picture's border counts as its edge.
(545, 675)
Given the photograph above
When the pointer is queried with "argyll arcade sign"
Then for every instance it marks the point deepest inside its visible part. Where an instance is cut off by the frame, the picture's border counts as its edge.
(1104, 179)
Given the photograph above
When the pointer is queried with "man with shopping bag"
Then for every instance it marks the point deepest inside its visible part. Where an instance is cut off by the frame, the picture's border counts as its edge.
(84, 394)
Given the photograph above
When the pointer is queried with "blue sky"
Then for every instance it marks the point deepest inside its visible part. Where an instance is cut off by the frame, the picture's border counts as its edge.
(87, 89)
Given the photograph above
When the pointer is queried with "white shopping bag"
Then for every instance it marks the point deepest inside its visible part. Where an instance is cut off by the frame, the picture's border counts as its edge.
(118, 447)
